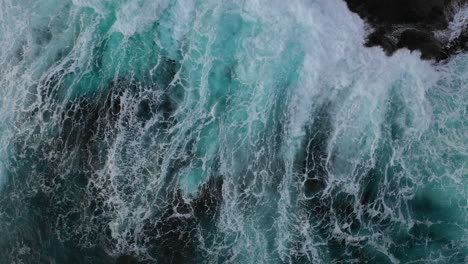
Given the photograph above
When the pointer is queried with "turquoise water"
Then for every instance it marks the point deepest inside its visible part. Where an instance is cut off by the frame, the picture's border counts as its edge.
(185, 131)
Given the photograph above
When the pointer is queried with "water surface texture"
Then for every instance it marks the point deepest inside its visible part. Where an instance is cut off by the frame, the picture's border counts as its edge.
(225, 131)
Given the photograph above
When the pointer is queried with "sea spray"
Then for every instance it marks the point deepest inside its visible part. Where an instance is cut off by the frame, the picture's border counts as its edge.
(224, 132)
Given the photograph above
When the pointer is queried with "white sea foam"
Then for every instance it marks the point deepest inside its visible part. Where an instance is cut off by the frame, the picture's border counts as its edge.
(136, 16)
(248, 83)
(457, 26)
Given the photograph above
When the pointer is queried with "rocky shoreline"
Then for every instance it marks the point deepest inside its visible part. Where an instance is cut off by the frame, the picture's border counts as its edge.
(436, 28)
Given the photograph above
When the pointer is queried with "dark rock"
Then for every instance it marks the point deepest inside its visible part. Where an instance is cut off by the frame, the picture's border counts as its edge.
(423, 41)
(401, 11)
(411, 24)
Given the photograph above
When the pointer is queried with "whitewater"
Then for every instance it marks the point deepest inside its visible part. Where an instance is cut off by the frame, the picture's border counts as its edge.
(233, 131)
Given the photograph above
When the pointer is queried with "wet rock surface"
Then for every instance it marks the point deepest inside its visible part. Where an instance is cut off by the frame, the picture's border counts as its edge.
(436, 28)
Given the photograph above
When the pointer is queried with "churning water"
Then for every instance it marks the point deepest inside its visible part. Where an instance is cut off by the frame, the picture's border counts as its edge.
(234, 131)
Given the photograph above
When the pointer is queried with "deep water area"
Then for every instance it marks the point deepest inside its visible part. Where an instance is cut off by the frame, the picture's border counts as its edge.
(228, 131)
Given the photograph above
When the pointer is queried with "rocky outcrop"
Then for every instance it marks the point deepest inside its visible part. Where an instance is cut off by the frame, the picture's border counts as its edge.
(437, 28)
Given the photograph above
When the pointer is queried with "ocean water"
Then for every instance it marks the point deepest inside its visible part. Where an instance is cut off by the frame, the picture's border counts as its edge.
(233, 131)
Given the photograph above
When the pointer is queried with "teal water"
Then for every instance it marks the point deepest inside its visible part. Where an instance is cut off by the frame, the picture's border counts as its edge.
(185, 131)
